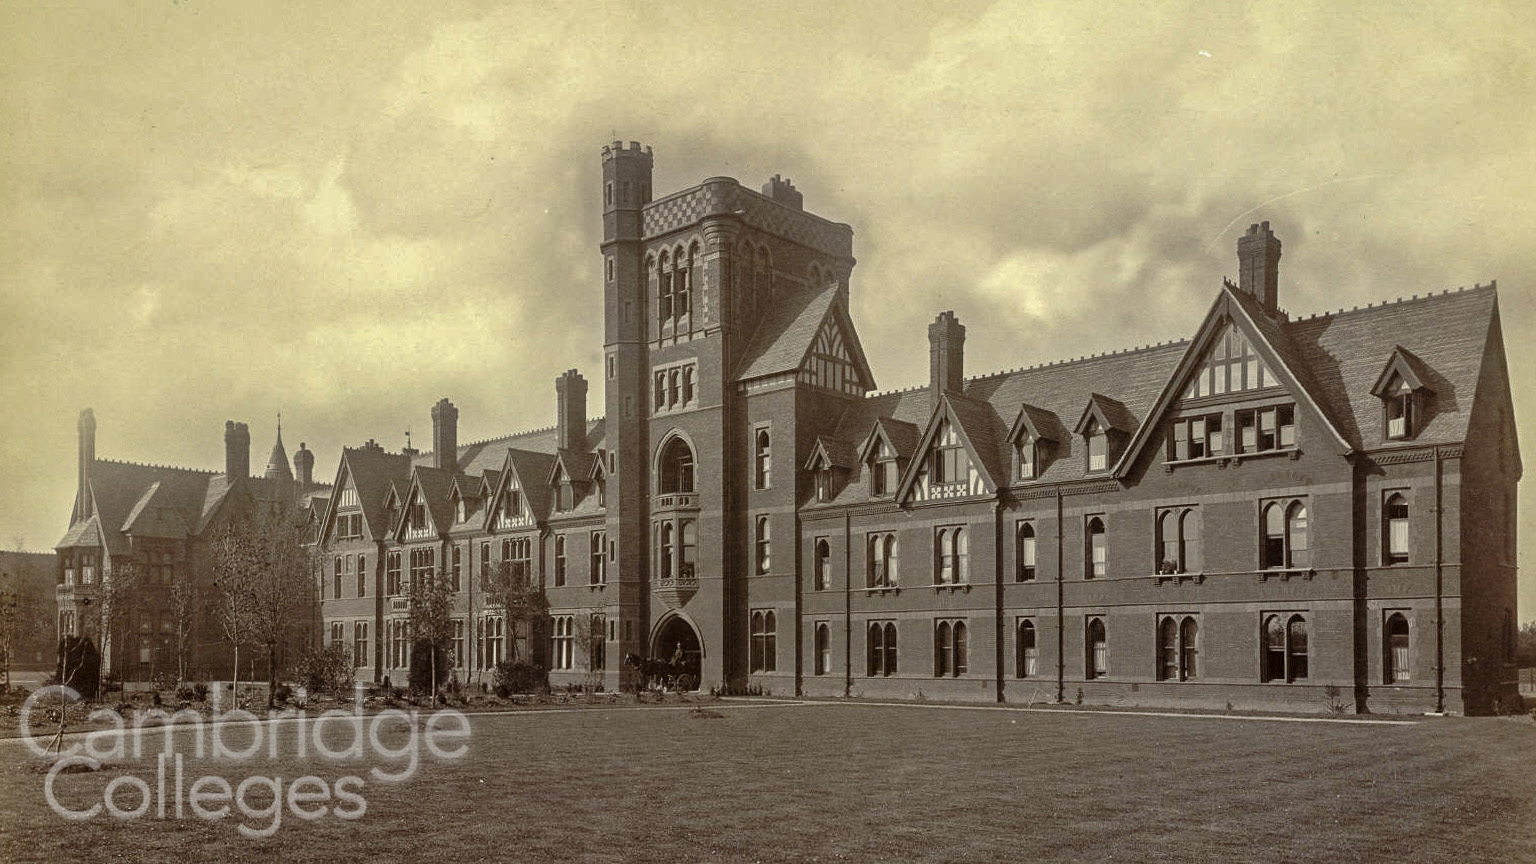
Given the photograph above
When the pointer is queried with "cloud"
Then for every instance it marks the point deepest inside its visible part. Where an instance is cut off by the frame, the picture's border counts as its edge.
(214, 213)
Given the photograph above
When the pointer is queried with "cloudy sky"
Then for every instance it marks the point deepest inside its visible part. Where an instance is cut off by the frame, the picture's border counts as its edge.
(214, 211)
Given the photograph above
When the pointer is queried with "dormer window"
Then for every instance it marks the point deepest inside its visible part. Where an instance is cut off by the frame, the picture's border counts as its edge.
(1400, 413)
(1098, 446)
(950, 462)
(824, 485)
(883, 472)
(1402, 390)
(1027, 456)
(460, 512)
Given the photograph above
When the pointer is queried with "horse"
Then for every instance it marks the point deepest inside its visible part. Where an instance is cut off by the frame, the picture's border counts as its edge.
(662, 674)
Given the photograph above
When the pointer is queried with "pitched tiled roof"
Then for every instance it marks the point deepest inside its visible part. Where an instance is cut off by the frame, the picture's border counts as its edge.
(434, 485)
(1345, 352)
(489, 455)
(981, 424)
(841, 454)
(373, 472)
(155, 515)
(533, 472)
(786, 332)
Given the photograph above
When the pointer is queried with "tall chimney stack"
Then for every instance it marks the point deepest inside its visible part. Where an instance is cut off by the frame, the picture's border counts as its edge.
(304, 467)
(87, 456)
(237, 451)
(1258, 265)
(946, 355)
(571, 411)
(445, 435)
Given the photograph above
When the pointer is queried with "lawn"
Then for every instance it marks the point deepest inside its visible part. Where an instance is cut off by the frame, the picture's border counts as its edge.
(834, 782)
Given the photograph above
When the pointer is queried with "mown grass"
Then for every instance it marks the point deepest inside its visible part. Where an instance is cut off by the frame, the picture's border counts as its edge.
(870, 783)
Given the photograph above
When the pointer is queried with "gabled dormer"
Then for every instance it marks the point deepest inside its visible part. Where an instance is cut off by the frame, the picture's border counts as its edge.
(885, 454)
(1032, 439)
(1404, 395)
(564, 490)
(1105, 427)
(416, 523)
(1235, 393)
(522, 498)
(394, 508)
(346, 521)
(958, 454)
(597, 476)
(466, 502)
(831, 463)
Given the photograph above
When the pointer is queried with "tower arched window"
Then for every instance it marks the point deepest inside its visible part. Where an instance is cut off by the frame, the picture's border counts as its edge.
(762, 456)
(668, 551)
(664, 294)
(764, 544)
(675, 468)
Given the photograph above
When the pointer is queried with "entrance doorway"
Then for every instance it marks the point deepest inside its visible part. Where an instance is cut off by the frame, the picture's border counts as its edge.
(677, 644)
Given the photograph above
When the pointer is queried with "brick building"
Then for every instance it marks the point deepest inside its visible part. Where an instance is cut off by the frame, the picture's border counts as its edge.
(162, 520)
(1278, 512)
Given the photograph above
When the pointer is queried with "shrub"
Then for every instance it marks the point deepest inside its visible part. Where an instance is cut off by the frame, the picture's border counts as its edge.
(192, 691)
(420, 680)
(326, 670)
(520, 676)
(281, 694)
(78, 665)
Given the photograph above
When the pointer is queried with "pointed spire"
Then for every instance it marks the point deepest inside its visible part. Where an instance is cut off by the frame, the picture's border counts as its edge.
(277, 464)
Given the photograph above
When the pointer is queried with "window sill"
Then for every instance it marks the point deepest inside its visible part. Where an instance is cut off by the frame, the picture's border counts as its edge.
(597, 586)
(1285, 573)
(890, 589)
(1178, 578)
(964, 587)
(1232, 459)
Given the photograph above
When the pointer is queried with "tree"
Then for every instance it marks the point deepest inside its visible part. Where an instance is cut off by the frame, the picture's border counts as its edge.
(118, 594)
(264, 575)
(510, 587)
(1526, 650)
(431, 625)
(185, 601)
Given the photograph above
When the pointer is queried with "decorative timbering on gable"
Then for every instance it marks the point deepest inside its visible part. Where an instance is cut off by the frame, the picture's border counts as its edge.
(511, 506)
(1404, 395)
(416, 523)
(1231, 365)
(830, 363)
(947, 468)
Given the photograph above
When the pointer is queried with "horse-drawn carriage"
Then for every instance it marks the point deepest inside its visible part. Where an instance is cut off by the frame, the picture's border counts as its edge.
(681, 673)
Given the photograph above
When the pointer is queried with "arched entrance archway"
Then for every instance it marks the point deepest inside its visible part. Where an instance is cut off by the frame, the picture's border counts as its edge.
(677, 643)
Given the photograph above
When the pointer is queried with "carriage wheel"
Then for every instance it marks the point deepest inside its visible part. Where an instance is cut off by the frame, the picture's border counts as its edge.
(686, 682)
